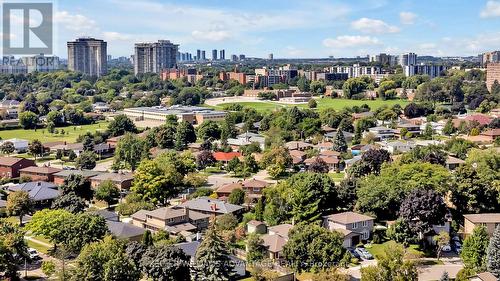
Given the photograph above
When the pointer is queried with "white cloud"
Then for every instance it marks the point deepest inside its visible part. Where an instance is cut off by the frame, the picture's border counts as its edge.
(294, 52)
(492, 9)
(407, 17)
(116, 36)
(211, 35)
(349, 41)
(74, 22)
(367, 25)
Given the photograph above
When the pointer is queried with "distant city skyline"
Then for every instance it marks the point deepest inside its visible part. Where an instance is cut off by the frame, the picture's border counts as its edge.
(288, 29)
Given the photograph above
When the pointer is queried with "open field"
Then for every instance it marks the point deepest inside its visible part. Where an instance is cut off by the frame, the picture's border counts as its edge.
(323, 103)
(72, 132)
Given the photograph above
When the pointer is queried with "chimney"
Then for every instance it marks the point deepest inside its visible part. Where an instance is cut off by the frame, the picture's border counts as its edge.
(213, 207)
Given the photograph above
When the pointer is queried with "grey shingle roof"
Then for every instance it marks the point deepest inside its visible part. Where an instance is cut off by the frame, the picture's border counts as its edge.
(205, 204)
(124, 230)
(84, 173)
(38, 191)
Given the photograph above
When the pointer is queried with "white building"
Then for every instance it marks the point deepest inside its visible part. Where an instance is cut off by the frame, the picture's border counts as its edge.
(20, 145)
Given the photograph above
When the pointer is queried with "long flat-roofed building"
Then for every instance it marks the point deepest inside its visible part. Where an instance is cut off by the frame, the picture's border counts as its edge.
(192, 114)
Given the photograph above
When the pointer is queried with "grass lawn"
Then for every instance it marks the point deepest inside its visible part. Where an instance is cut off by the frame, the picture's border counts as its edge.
(37, 246)
(323, 103)
(337, 176)
(72, 132)
(377, 250)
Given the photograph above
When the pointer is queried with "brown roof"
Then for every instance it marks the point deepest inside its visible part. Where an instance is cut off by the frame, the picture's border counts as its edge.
(291, 145)
(255, 223)
(348, 217)
(167, 213)
(228, 188)
(297, 153)
(492, 133)
(9, 161)
(454, 160)
(274, 243)
(297, 160)
(328, 160)
(53, 143)
(114, 177)
(40, 170)
(483, 218)
(329, 153)
(255, 183)
(486, 276)
(281, 229)
(325, 145)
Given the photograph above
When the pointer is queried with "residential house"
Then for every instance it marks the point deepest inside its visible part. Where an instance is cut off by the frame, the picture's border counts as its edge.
(298, 145)
(355, 227)
(298, 156)
(35, 173)
(226, 156)
(452, 162)
(126, 231)
(100, 149)
(9, 108)
(414, 129)
(100, 107)
(61, 176)
(332, 135)
(491, 134)
(381, 133)
(332, 162)
(489, 220)
(10, 166)
(246, 139)
(484, 276)
(40, 192)
(224, 190)
(122, 181)
(255, 226)
(398, 146)
(172, 220)
(20, 145)
(253, 188)
(211, 206)
(190, 248)
(275, 240)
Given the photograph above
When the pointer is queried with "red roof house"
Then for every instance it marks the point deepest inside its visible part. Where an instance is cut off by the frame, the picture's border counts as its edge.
(226, 156)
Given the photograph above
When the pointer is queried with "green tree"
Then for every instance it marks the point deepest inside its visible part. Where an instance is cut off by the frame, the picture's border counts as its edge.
(147, 238)
(358, 135)
(391, 266)
(312, 103)
(105, 260)
(79, 185)
(71, 155)
(13, 249)
(428, 132)
(493, 256)
(28, 120)
(474, 249)
(226, 222)
(87, 160)
(184, 135)
(237, 197)
(448, 128)
(120, 125)
(442, 240)
(339, 143)
(212, 261)
(19, 204)
(209, 130)
(312, 247)
(165, 263)
(7, 148)
(107, 192)
(35, 148)
(400, 232)
(69, 202)
(130, 150)
(255, 248)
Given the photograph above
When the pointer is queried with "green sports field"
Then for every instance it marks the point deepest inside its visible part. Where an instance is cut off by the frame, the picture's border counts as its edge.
(71, 133)
(323, 103)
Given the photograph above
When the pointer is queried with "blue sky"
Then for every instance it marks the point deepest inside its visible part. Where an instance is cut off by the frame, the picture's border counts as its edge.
(287, 28)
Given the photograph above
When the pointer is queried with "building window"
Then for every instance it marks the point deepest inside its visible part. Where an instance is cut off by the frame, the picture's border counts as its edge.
(364, 223)
(354, 225)
(366, 235)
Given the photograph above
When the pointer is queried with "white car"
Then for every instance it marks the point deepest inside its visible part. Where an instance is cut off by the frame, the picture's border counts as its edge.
(446, 248)
(33, 254)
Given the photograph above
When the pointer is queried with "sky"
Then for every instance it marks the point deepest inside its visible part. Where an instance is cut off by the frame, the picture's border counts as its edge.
(286, 28)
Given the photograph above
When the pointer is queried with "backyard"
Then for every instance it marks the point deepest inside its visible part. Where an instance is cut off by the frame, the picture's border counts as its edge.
(70, 133)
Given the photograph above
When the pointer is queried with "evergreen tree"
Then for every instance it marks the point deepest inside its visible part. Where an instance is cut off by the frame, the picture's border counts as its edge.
(184, 135)
(474, 249)
(147, 238)
(493, 258)
(259, 210)
(212, 261)
(448, 128)
(339, 143)
(358, 136)
(428, 132)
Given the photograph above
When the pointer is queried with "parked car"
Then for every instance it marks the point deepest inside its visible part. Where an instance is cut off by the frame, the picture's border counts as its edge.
(33, 254)
(353, 253)
(446, 248)
(457, 246)
(364, 254)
